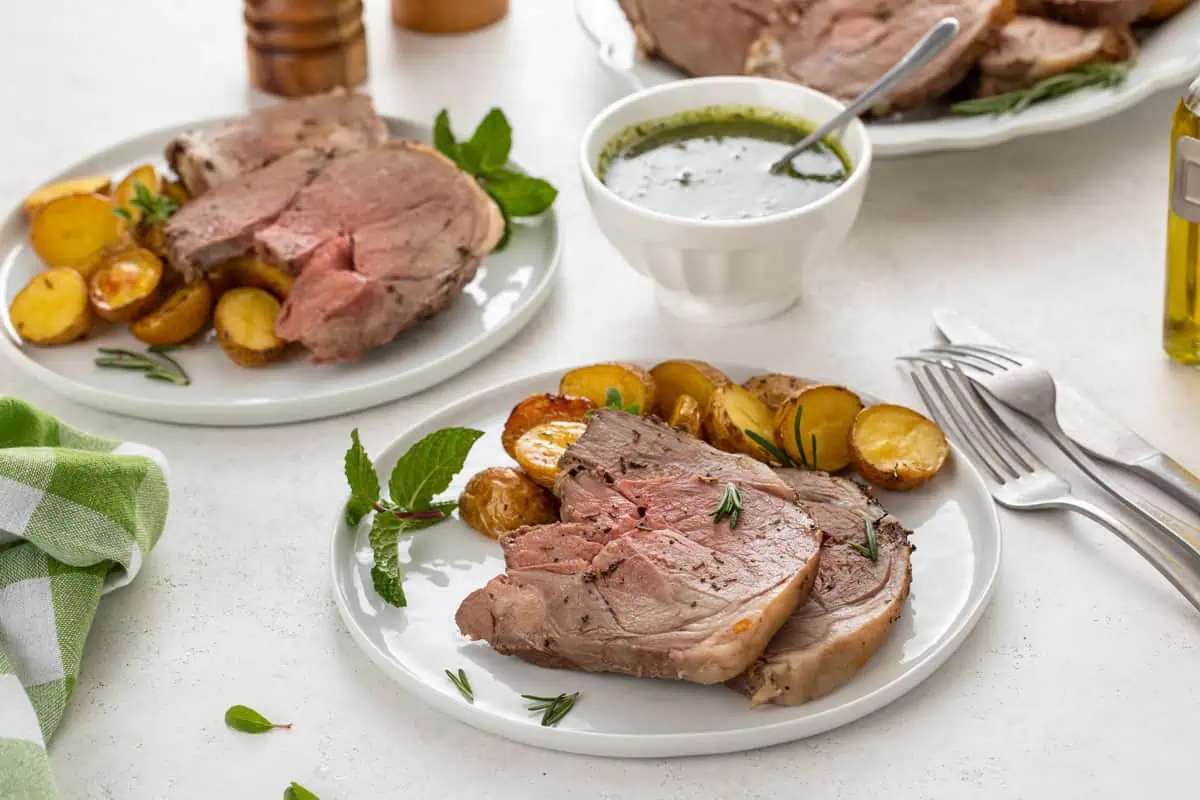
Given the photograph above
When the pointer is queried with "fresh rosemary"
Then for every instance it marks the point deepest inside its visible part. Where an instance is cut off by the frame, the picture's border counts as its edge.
(1101, 75)
(871, 548)
(730, 507)
(770, 447)
(462, 684)
(553, 709)
(156, 363)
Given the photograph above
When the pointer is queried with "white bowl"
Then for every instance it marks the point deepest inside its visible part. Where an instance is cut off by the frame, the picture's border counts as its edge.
(725, 272)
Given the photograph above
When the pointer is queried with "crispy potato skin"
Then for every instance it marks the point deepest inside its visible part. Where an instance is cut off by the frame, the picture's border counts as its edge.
(69, 229)
(499, 500)
(181, 316)
(53, 308)
(828, 413)
(687, 416)
(175, 190)
(539, 408)
(774, 388)
(245, 323)
(126, 285)
(39, 199)
(731, 412)
(896, 448)
(695, 378)
(539, 449)
(636, 385)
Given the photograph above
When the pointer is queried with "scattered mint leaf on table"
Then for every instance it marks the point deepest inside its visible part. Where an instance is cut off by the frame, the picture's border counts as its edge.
(247, 720)
(364, 483)
(295, 791)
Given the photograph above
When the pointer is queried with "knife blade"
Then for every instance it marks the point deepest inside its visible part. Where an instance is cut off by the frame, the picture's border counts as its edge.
(1091, 427)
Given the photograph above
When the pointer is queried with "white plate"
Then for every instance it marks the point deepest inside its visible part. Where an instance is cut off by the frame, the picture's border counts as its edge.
(1170, 57)
(506, 293)
(954, 568)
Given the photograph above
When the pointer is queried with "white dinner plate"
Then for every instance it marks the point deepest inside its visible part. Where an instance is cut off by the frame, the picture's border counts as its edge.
(509, 288)
(957, 537)
(1169, 57)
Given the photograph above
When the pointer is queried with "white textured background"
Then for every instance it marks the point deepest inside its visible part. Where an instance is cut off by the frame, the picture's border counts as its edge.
(1083, 680)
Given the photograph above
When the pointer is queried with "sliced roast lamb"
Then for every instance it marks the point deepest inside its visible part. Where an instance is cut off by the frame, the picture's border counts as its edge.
(854, 602)
(340, 121)
(701, 37)
(638, 578)
(1087, 13)
(841, 47)
(1030, 49)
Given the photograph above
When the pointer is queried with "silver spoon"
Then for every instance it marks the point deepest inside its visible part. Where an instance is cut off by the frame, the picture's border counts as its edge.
(922, 53)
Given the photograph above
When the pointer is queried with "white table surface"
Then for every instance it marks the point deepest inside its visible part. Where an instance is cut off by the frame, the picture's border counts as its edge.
(1080, 681)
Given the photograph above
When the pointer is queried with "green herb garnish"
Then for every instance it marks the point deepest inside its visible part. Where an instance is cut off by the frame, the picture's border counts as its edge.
(814, 449)
(796, 435)
(295, 791)
(871, 548)
(771, 448)
(731, 506)
(247, 720)
(553, 708)
(462, 684)
(155, 363)
(422, 473)
(154, 209)
(613, 400)
(485, 157)
(1100, 75)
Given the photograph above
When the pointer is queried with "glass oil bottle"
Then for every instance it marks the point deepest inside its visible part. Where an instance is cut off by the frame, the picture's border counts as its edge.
(1181, 318)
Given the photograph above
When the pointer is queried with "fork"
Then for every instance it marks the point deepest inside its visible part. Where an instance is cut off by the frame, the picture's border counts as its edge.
(1018, 479)
(1025, 386)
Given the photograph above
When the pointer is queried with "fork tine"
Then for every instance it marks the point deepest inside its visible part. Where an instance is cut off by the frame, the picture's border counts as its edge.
(932, 356)
(991, 351)
(1004, 434)
(970, 422)
(964, 352)
(922, 378)
(985, 422)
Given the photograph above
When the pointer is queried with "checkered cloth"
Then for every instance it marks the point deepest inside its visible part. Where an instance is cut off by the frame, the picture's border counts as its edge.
(77, 515)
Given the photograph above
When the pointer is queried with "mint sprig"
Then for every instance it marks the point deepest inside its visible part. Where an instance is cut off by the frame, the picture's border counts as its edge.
(421, 474)
(485, 157)
(295, 791)
(247, 720)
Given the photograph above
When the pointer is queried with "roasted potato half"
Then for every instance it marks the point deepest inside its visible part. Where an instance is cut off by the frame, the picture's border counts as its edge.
(499, 500)
(93, 184)
(253, 271)
(126, 285)
(539, 449)
(539, 408)
(1165, 9)
(687, 416)
(813, 426)
(636, 386)
(181, 316)
(174, 190)
(69, 229)
(774, 388)
(734, 418)
(53, 308)
(896, 448)
(127, 189)
(673, 378)
(245, 323)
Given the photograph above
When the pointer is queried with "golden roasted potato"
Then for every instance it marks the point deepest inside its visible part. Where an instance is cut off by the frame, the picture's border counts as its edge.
(71, 228)
(539, 449)
(774, 388)
(539, 408)
(822, 415)
(593, 382)
(181, 316)
(673, 378)
(52, 308)
(896, 448)
(127, 188)
(245, 323)
(92, 264)
(174, 190)
(499, 500)
(126, 284)
(687, 416)
(1164, 9)
(734, 417)
(35, 202)
(253, 271)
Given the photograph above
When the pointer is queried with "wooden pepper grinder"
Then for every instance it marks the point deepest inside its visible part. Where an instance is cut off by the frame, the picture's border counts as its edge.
(301, 47)
(447, 16)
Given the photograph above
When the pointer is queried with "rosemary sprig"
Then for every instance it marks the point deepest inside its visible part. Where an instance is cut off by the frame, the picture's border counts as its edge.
(770, 447)
(156, 363)
(796, 435)
(814, 449)
(553, 708)
(462, 684)
(731, 506)
(1102, 75)
(871, 549)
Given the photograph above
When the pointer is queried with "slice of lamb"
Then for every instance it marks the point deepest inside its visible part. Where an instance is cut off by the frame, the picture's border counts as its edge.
(1087, 13)
(701, 37)
(1030, 49)
(841, 47)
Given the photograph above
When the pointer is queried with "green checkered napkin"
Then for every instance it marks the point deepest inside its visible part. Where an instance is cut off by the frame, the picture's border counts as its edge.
(77, 515)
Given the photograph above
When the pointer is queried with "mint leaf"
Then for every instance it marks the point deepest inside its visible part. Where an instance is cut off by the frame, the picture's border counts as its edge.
(428, 467)
(519, 195)
(492, 141)
(364, 483)
(295, 791)
(612, 398)
(634, 409)
(386, 530)
(247, 720)
(443, 137)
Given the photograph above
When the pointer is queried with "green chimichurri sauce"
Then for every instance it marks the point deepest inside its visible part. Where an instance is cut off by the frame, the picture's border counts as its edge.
(714, 163)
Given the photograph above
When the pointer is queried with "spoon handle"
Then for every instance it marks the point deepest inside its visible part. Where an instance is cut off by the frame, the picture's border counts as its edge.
(923, 52)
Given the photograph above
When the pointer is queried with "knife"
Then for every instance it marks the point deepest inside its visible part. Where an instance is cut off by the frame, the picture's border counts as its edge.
(1092, 428)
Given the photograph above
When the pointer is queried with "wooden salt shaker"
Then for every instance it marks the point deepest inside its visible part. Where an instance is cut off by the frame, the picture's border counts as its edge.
(301, 47)
(447, 16)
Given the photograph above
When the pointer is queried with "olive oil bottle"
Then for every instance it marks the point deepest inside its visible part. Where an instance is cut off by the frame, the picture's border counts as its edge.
(1181, 318)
